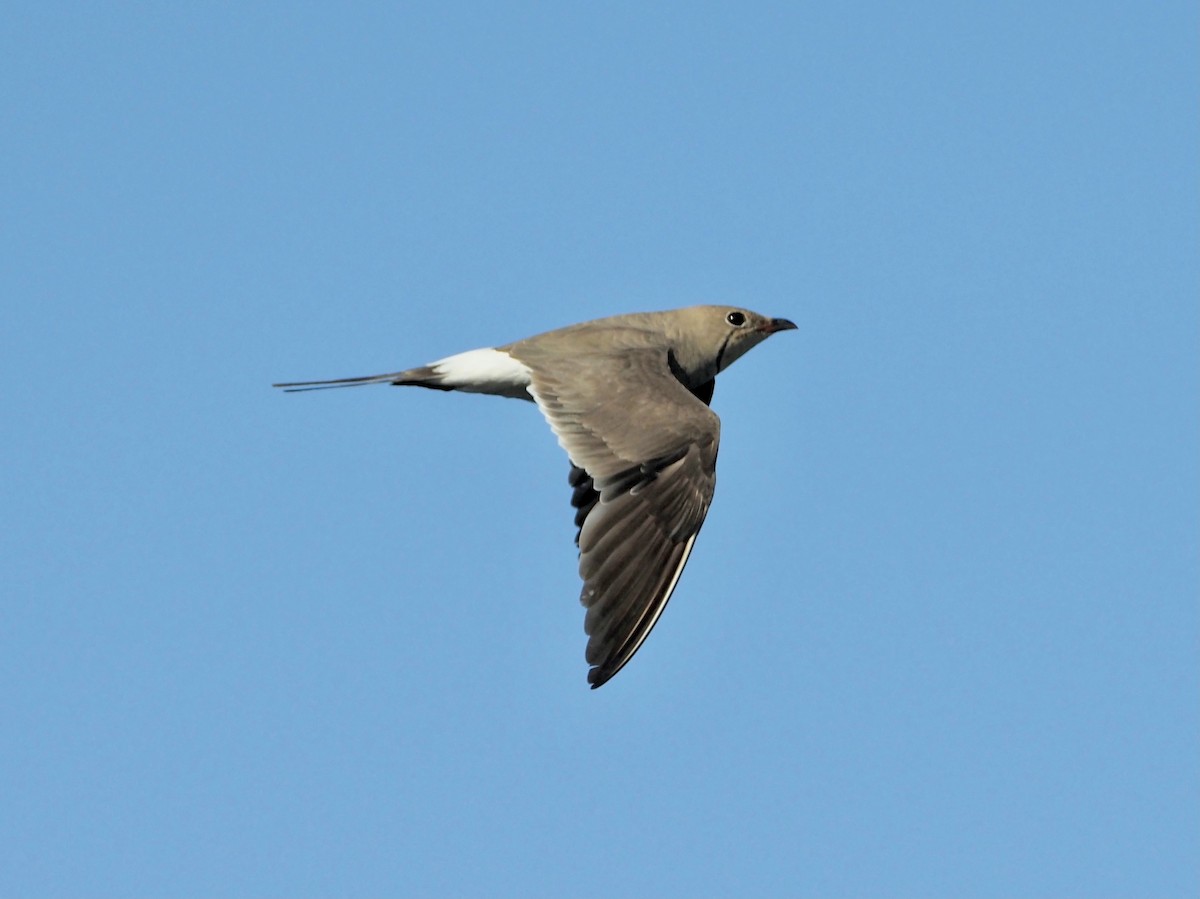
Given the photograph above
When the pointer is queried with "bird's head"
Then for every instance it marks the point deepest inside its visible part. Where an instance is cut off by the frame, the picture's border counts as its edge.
(708, 339)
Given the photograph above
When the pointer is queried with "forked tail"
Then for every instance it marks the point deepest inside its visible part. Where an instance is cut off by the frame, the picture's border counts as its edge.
(420, 377)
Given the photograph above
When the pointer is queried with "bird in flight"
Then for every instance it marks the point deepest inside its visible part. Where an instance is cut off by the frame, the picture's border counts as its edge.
(628, 398)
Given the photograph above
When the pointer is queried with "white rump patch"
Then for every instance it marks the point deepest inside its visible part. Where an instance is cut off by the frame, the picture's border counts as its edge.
(484, 371)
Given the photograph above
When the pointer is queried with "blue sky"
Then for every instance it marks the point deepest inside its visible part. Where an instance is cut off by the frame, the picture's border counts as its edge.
(940, 635)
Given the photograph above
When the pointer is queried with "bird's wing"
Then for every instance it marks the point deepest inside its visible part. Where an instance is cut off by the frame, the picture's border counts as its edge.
(583, 489)
(649, 446)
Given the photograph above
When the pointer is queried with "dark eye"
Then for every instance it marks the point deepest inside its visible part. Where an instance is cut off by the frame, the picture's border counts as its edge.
(737, 319)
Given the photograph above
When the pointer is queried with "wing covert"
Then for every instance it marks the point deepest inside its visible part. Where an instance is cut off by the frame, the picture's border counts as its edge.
(643, 450)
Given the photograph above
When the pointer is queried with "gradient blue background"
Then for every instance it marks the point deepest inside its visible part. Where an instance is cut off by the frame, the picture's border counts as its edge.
(940, 636)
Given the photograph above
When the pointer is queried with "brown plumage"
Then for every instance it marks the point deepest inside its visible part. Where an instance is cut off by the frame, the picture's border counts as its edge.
(628, 399)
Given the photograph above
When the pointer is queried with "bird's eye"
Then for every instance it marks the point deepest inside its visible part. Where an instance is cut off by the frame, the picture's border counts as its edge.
(737, 319)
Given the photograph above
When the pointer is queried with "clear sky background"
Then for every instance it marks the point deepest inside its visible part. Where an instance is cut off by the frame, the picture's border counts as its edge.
(940, 636)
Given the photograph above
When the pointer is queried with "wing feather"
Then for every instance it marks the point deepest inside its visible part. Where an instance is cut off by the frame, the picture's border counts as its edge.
(643, 450)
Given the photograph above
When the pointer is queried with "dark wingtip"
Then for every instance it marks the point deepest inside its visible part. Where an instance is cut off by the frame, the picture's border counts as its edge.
(600, 675)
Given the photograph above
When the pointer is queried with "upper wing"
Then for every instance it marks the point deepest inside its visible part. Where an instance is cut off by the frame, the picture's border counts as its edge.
(583, 489)
(650, 448)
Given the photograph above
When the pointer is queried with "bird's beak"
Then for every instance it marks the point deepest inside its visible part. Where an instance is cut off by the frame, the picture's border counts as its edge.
(778, 324)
